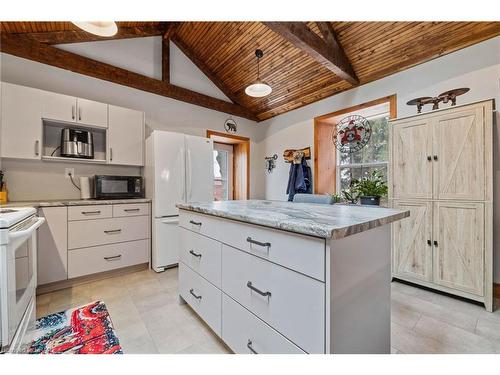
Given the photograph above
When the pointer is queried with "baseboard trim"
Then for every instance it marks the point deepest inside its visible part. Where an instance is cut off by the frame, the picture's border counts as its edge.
(496, 290)
(63, 284)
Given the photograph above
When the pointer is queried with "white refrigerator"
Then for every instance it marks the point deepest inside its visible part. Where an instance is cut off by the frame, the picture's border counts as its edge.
(179, 168)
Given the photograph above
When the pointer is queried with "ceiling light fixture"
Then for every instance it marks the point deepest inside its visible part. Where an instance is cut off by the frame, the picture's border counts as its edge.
(98, 28)
(259, 88)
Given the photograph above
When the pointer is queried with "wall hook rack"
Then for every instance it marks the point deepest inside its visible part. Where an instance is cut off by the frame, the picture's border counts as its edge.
(289, 154)
(271, 162)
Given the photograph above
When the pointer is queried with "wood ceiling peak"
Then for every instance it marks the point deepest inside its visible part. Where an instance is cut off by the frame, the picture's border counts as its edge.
(225, 53)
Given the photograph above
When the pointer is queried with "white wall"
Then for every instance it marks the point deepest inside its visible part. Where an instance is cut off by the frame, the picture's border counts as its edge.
(161, 113)
(477, 67)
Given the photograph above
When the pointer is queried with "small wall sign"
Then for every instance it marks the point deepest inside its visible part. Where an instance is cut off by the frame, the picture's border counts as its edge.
(230, 125)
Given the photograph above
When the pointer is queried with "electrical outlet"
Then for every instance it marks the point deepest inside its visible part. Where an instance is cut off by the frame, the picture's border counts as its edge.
(68, 172)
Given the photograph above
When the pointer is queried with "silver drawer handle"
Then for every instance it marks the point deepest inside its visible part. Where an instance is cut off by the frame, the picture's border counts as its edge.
(91, 212)
(249, 346)
(195, 223)
(194, 295)
(265, 294)
(132, 209)
(194, 254)
(113, 257)
(112, 231)
(264, 244)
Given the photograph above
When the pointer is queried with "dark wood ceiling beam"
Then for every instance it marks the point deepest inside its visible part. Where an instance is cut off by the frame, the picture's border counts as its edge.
(204, 68)
(327, 52)
(28, 48)
(79, 36)
(165, 50)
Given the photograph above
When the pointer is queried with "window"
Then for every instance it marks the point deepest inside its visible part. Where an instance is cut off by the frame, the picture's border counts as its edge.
(374, 156)
(223, 184)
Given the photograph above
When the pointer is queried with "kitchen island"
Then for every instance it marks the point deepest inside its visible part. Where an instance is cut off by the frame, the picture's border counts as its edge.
(283, 277)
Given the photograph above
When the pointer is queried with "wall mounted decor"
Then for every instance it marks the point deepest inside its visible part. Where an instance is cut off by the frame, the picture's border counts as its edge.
(445, 97)
(290, 155)
(352, 133)
(271, 162)
(230, 125)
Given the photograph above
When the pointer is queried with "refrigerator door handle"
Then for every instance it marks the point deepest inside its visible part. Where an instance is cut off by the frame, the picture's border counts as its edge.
(183, 176)
(190, 172)
(173, 220)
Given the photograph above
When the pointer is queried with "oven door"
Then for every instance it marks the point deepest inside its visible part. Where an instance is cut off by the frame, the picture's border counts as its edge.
(21, 274)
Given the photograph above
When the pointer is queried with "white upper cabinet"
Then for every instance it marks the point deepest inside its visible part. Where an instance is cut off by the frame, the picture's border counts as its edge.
(21, 122)
(125, 136)
(92, 113)
(66, 108)
(58, 107)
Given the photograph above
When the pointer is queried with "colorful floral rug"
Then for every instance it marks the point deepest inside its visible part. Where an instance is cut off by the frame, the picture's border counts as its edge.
(83, 330)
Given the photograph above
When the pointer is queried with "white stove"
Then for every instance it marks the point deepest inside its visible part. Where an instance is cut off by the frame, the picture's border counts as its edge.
(17, 275)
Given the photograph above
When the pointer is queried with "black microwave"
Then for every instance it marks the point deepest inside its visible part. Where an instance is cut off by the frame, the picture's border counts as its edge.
(118, 187)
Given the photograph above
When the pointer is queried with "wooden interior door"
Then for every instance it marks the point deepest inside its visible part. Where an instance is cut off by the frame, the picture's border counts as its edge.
(459, 246)
(411, 167)
(412, 253)
(459, 171)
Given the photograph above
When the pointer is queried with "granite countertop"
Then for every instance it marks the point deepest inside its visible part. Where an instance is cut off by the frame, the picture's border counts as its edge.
(326, 221)
(73, 202)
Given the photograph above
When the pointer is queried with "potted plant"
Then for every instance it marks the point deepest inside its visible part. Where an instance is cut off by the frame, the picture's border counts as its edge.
(371, 188)
(350, 195)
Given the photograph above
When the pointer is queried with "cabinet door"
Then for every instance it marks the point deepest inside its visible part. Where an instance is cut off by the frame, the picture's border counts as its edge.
(459, 171)
(459, 246)
(126, 136)
(411, 167)
(52, 245)
(21, 128)
(92, 113)
(412, 253)
(58, 107)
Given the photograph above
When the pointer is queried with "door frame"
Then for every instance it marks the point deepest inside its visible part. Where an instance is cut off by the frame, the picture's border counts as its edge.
(320, 125)
(241, 161)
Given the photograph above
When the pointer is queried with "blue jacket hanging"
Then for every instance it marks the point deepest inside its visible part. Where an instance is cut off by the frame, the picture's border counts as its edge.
(299, 179)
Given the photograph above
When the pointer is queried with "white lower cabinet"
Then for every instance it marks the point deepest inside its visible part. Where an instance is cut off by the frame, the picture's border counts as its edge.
(83, 240)
(202, 296)
(256, 299)
(106, 257)
(272, 292)
(244, 333)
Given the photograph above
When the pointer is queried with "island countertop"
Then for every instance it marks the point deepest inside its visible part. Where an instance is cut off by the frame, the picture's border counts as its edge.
(325, 221)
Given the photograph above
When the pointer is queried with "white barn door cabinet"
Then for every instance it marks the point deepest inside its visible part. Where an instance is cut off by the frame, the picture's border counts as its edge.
(441, 169)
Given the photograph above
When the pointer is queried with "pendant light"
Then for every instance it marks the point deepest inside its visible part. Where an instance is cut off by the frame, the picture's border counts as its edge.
(259, 88)
(99, 28)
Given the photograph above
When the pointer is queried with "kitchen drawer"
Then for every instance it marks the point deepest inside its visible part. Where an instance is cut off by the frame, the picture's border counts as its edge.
(107, 257)
(203, 224)
(243, 332)
(90, 212)
(295, 306)
(300, 253)
(202, 296)
(104, 231)
(130, 209)
(201, 254)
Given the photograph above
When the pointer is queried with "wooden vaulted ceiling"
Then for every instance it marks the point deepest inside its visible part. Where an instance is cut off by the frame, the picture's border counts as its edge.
(303, 62)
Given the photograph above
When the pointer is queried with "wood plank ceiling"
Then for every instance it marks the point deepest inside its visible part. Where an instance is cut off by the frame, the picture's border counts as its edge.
(224, 51)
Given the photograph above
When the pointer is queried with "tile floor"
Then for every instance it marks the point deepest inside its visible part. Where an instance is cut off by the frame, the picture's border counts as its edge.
(148, 318)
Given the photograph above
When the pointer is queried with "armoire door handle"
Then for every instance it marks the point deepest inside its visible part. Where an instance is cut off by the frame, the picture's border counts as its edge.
(429, 242)
(429, 158)
(435, 157)
(435, 243)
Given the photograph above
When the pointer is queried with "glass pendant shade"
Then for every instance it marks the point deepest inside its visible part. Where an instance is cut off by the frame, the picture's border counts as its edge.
(98, 28)
(259, 88)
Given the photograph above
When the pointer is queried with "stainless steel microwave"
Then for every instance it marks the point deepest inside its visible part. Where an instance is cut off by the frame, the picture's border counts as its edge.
(118, 187)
